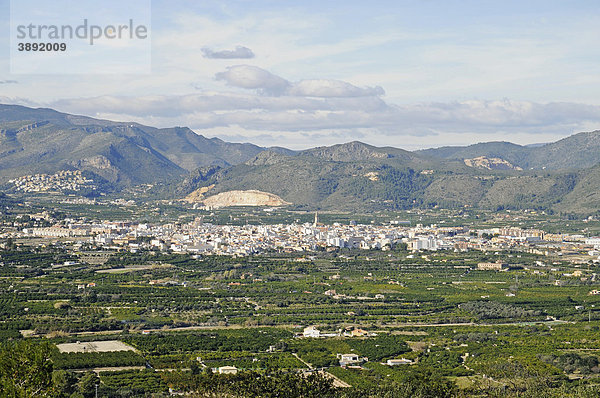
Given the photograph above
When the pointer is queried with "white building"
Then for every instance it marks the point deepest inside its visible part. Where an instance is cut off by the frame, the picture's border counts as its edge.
(227, 370)
(401, 361)
(349, 359)
(311, 331)
(593, 242)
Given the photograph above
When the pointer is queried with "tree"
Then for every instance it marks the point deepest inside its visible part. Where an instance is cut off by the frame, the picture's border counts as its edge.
(87, 384)
(194, 367)
(64, 383)
(25, 370)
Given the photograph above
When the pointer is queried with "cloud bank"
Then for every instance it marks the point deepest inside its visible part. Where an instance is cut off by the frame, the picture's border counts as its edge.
(308, 114)
(267, 109)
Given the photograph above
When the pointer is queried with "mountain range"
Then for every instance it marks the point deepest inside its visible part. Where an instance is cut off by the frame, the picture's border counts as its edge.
(562, 176)
(45, 141)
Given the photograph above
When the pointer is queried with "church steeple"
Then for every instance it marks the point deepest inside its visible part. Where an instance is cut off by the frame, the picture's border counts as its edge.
(316, 218)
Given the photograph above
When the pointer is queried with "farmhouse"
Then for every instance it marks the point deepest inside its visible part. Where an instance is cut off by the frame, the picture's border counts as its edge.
(231, 370)
(311, 331)
(349, 359)
(401, 361)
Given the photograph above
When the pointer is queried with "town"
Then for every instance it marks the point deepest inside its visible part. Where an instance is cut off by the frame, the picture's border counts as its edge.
(198, 237)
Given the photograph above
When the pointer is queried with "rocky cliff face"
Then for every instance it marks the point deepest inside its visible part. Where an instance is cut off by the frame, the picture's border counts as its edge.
(483, 162)
(244, 198)
(198, 195)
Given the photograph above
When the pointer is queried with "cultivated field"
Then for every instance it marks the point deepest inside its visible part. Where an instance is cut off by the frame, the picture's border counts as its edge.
(95, 346)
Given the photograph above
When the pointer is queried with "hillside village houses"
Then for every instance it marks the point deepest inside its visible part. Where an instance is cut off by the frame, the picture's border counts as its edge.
(64, 180)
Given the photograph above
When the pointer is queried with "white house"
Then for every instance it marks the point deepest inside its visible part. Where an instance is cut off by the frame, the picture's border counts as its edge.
(349, 359)
(311, 331)
(401, 361)
(231, 370)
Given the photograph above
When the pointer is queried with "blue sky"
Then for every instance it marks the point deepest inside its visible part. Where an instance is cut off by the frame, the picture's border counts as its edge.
(411, 74)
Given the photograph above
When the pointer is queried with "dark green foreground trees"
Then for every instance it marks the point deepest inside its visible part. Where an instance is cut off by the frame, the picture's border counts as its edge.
(26, 371)
(289, 385)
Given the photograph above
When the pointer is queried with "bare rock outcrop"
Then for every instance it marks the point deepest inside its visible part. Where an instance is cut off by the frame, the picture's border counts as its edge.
(244, 198)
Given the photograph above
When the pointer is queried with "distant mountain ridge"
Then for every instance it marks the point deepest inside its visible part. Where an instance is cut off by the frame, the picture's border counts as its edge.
(560, 176)
(578, 151)
(45, 141)
(355, 176)
(513, 153)
(358, 151)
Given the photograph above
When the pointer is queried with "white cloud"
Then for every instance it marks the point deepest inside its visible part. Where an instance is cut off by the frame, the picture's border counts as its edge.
(18, 101)
(253, 77)
(240, 52)
(331, 88)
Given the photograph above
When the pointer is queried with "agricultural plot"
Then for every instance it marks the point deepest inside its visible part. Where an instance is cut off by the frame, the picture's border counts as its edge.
(94, 346)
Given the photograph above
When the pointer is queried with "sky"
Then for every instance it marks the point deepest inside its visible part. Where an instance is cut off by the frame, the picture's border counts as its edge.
(410, 74)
